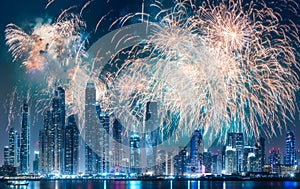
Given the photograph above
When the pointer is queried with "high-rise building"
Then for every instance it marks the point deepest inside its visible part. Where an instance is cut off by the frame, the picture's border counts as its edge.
(71, 146)
(13, 147)
(25, 140)
(6, 155)
(36, 162)
(216, 163)
(104, 143)
(46, 150)
(57, 131)
(260, 153)
(230, 160)
(275, 159)
(236, 141)
(248, 152)
(151, 126)
(196, 147)
(169, 164)
(135, 153)
(207, 161)
(91, 131)
(117, 148)
(290, 150)
(181, 161)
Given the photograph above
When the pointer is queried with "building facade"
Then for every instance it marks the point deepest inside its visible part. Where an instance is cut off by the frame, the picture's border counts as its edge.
(25, 140)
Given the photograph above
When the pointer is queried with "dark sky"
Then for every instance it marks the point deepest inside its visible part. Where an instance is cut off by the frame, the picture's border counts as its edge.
(23, 13)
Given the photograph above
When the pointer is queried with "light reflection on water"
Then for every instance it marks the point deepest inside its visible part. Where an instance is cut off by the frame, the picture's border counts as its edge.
(134, 184)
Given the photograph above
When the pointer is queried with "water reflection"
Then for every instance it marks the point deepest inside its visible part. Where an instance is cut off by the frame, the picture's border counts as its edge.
(135, 184)
(164, 184)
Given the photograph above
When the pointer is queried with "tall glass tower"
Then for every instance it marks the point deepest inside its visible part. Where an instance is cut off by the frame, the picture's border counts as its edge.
(150, 135)
(71, 146)
(236, 142)
(135, 153)
(290, 149)
(196, 150)
(117, 148)
(13, 147)
(57, 131)
(91, 134)
(25, 137)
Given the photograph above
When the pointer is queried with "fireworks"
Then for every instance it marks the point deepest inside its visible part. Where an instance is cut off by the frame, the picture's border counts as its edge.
(54, 51)
(226, 66)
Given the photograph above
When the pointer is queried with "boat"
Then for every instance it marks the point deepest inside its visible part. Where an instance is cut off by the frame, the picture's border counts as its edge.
(17, 182)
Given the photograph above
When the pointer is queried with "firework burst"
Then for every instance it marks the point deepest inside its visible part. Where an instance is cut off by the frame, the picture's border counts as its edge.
(227, 66)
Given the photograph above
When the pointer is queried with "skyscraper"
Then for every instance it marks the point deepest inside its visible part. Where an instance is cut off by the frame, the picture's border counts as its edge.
(35, 163)
(6, 155)
(117, 148)
(207, 161)
(91, 131)
(260, 153)
(25, 137)
(290, 149)
(135, 153)
(46, 150)
(71, 146)
(230, 160)
(13, 147)
(104, 143)
(236, 142)
(274, 157)
(57, 131)
(196, 147)
(150, 135)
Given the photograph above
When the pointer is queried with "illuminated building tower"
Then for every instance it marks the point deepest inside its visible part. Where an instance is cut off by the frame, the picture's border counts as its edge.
(25, 137)
(6, 155)
(135, 153)
(43, 152)
(104, 143)
(46, 149)
(57, 131)
(216, 167)
(117, 148)
(71, 146)
(151, 125)
(207, 161)
(236, 142)
(290, 150)
(274, 157)
(196, 150)
(169, 164)
(248, 152)
(230, 160)
(260, 153)
(91, 131)
(36, 162)
(13, 147)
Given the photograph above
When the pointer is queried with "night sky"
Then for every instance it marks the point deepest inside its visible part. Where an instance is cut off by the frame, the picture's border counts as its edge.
(24, 13)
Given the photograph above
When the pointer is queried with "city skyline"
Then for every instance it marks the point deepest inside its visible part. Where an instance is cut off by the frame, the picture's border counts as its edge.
(59, 151)
(13, 75)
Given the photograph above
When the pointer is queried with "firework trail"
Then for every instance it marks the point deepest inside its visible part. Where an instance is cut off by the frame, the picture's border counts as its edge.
(49, 3)
(227, 66)
(85, 6)
(53, 50)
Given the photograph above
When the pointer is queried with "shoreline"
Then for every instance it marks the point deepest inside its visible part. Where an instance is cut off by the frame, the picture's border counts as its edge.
(282, 179)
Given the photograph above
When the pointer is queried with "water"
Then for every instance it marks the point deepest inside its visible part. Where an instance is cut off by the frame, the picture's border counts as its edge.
(100, 184)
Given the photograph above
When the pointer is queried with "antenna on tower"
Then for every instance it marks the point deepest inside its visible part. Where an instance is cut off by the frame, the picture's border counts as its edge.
(143, 10)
